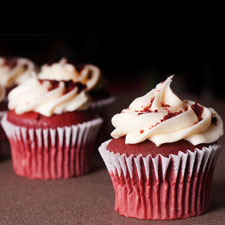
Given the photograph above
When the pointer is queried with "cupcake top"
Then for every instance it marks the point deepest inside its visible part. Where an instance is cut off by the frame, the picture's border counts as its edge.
(48, 97)
(161, 117)
(88, 75)
(14, 71)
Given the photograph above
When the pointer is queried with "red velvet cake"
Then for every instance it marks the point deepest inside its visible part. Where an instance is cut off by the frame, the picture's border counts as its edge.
(162, 156)
(36, 120)
(148, 147)
(50, 128)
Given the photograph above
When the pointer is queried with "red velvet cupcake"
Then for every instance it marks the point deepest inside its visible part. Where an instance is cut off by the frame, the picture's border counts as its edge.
(50, 128)
(13, 71)
(162, 157)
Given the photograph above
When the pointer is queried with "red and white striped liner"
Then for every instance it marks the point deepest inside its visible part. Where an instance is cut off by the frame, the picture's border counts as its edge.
(52, 153)
(161, 188)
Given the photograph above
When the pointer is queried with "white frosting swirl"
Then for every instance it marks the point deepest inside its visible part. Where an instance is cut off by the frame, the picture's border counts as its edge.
(36, 96)
(10, 76)
(160, 116)
(66, 71)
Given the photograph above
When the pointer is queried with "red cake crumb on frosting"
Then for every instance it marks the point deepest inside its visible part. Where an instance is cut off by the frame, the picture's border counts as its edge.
(198, 110)
(148, 147)
(36, 120)
(69, 85)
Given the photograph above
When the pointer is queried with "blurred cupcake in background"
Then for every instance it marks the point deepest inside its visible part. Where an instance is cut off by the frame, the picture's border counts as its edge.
(91, 76)
(162, 156)
(87, 74)
(13, 71)
(50, 126)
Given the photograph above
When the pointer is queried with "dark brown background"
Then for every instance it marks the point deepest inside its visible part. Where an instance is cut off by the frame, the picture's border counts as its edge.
(134, 54)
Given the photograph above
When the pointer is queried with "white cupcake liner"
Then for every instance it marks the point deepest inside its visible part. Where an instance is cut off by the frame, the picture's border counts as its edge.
(181, 182)
(52, 153)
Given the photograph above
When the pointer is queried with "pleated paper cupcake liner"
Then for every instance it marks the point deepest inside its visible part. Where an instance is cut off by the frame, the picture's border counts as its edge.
(161, 187)
(52, 153)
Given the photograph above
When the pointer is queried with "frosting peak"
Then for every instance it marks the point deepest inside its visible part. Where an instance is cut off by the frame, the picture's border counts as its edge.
(160, 97)
(162, 117)
(89, 75)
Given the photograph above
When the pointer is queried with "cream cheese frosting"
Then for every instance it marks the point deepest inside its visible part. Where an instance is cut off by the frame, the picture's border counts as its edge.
(47, 97)
(161, 117)
(62, 70)
(14, 71)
